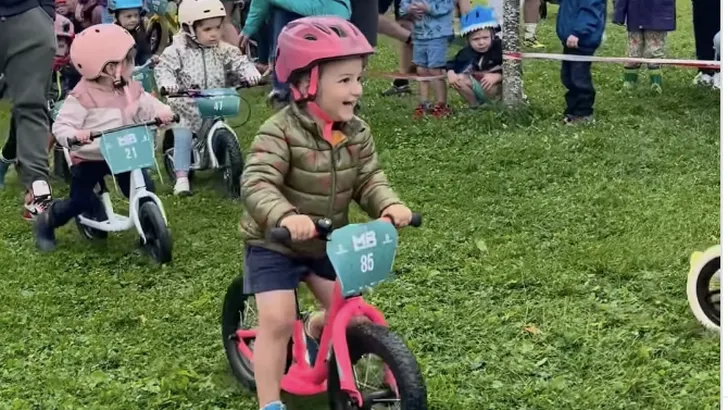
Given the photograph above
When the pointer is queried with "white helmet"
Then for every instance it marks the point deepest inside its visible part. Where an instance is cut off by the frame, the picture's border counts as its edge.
(191, 11)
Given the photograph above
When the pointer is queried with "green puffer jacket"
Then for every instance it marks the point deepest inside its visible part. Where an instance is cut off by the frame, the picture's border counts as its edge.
(292, 169)
(260, 9)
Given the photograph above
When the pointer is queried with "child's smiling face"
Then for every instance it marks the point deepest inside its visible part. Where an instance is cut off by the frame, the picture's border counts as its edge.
(129, 19)
(481, 40)
(340, 87)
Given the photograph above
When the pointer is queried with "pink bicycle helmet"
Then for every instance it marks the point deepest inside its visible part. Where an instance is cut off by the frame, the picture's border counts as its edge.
(99, 45)
(63, 27)
(307, 42)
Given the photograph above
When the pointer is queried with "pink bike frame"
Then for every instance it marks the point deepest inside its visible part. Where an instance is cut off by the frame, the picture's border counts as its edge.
(304, 380)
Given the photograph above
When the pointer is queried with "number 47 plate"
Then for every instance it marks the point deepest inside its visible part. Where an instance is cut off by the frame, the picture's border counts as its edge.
(362, 255)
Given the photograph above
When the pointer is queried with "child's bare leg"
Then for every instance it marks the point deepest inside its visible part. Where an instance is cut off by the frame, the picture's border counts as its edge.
(323, 290)
(277, 315)
(466, 91)
(405, 52)
(440, 86)
(424, 85)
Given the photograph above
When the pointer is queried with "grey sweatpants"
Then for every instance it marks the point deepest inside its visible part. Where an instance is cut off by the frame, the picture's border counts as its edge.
(27, 47)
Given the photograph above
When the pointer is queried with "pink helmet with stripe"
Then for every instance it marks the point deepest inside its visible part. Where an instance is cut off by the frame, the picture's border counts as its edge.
(305, 43)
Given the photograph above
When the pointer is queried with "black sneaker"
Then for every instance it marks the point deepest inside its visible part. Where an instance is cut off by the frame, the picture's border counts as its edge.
(45, 236)
(397, 90)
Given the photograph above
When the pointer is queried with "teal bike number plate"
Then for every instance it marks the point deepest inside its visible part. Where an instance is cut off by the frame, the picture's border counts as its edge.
(362, 255)
(145, 77)
(218, 102)
(158, 7)
(56, 109)
(129, 149)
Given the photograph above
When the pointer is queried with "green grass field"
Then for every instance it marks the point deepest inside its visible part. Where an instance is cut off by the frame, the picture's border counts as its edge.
(550, 273)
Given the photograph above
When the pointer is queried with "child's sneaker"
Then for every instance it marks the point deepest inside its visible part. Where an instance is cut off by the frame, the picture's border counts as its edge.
(4, 167)
(182, 187)
(578, 119)
(441, 110)
(37, 200)
(276, 405)
(422, 110)
(397, 90)
(703, 80)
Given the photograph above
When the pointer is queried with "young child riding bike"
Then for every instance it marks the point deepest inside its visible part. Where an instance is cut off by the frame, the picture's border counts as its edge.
(128, 14)
(105, 98)
(310, 160)
(198, 58)
(65, 77)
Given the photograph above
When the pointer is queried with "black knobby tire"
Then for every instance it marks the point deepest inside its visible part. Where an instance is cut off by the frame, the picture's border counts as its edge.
(705, 295)
(233, 315)
(155, 31)
(368, 338)
(98, 214)
(227, 151)
(233, 310)
(159, 241)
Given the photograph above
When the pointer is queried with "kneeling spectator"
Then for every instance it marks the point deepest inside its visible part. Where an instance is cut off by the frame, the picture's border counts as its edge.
(476, 71)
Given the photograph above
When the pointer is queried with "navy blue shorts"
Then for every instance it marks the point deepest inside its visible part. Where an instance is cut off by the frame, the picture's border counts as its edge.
(267, 270)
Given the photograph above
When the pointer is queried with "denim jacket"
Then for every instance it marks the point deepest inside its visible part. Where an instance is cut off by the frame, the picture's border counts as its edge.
(437, 22)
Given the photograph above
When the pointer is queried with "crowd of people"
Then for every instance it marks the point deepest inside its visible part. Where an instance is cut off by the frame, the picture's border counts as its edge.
(318, 51)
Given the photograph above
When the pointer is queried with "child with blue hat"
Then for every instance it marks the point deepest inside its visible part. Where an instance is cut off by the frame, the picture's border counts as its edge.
(476, 71)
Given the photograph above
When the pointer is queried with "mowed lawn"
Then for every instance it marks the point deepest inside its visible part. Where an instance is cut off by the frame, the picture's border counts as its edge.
(550, 272)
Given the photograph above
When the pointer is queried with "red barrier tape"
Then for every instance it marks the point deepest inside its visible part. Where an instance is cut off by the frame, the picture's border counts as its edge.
(715, 65)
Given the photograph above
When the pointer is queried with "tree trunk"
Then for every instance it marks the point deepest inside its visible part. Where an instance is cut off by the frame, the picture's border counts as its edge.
(512, 79)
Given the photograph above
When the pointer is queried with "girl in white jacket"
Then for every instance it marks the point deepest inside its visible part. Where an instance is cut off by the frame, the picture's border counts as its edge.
(198, 57)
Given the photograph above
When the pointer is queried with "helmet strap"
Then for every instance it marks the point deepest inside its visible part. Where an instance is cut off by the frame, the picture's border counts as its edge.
(315, 109)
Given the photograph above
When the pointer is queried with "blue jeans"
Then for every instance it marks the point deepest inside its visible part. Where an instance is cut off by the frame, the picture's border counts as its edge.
(182, 149)
(279, 19)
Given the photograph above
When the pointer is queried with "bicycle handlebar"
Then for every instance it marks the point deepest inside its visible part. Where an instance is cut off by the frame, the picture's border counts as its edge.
(97, 134)
(192, 92)
(324, 226)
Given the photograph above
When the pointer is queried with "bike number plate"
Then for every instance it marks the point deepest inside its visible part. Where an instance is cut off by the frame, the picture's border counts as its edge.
(158, 7)
(362, 255)
(145, 77)
(129, 149)
(218, 102)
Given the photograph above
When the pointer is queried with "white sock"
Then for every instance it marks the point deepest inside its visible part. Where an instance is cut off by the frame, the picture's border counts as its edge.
(530, 30)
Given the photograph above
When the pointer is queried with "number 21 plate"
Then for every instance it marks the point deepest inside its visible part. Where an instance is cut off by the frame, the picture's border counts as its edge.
(362, 255)
(128, 149)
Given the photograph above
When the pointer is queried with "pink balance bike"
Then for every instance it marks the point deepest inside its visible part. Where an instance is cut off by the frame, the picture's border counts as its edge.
(362, 256)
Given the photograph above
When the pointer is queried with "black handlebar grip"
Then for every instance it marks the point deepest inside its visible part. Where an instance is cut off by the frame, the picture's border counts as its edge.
(279, 235)
(416, 220)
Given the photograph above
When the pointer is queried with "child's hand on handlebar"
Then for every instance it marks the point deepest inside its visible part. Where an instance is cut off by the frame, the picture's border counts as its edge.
(301, 227)
(399, 214)
(165, 115)
(83, 136)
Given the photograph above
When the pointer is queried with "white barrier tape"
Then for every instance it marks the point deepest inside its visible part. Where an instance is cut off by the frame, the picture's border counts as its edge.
(651, 61)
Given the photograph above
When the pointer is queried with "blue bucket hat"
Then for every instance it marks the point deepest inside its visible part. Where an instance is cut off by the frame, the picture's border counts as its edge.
(478, 18)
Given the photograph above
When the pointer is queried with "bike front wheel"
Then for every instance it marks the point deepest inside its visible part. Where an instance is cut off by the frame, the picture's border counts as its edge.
(227, 151)
(159, 241)
(402, 387)
(703, 288)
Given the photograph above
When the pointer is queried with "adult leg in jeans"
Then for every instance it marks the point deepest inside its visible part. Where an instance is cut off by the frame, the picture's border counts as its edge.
(279, 18)
(582, 93)
(182, 160)
(27, 63)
